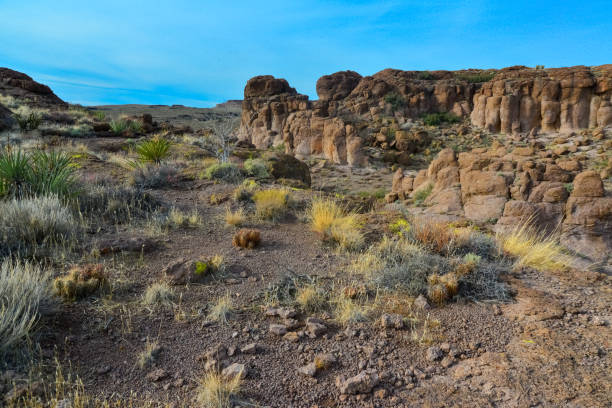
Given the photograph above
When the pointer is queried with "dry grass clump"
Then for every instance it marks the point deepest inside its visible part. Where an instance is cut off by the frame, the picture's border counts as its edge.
(179, 219)
(153, 176)
(29, 224)
(222, 309)
(217, 391)
(442, 288)
(349, 310)
(235, 218)
(81, 282)
(271, 204)
(533, 248)
(335, 224)
(247, 238)
(158, 294)
(311, 298)
(148, 356)
(214, 265)
(435, 236)
(24, 292)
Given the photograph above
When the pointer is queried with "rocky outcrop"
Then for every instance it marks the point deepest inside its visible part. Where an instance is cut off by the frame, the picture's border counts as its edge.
(519, 99)
(22, 87)
(6, 118)
(351, 109)
(506, 187)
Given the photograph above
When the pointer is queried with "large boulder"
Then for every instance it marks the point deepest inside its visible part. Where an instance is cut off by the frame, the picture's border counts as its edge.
(23, 87)
(337, 86)
(286, 167)
(267, 85)
(6, 119)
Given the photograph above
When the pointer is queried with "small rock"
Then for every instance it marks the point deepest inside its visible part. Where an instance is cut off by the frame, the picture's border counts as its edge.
(598, 321)
(103, 370)
(157, 375)
(278, 329)
(388, 321)
(362, 383)
(292, 337)
(325, 361)
(286, 313)
(421, 303)
(309, 370)
(434, 353)
(315, 327)
(447, 361)
(380, 393)
(251, 348)
(234, 370)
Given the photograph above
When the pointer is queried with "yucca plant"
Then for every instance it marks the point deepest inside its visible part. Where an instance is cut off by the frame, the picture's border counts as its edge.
(153, 150)
(30, 120)
(53, 173)
(15, 172)
(119, 126)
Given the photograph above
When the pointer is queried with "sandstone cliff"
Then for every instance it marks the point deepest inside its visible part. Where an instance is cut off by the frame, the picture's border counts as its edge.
(351, 108)
(20, 86)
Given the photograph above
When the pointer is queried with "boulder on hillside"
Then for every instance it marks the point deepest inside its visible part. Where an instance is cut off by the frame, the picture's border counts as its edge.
(267, 85)
(338, 85)
(6, 119)
(21, 86)
(286, 167)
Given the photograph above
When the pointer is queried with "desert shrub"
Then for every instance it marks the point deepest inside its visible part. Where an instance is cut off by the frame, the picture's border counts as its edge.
(256, 168)
(30, 224)
(235, 218)
(284, 290)
(435, 236)
(335, 224)
(271, 204)
(210, 266)
(38, 173)
(227, 172)
(441, 288)
(179, 219)
(115, 204)
(476, 77)
(401, 228)
(396, 101)
(217, 391)
(247, 238)
(347, 310)
(436, 119)
(154, 176)
(153, 150)
(24, 295)
(533, 248)
(484, 283)
(81, 281)
(425, 75)
(421, 194)
(119, 126)
(28, 119)
(467, 242)
(98, 115)
(149, 355)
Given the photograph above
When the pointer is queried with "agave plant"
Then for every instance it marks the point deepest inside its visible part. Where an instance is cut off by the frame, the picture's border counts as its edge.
(153, 150)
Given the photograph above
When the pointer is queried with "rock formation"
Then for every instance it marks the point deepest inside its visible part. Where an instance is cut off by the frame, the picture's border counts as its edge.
(351, 109)
(20, 86)
(507, 187)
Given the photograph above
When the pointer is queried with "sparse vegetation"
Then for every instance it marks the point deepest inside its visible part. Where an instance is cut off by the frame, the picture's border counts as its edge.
(217, 391)
(396, 101)
(335, 224)
(477, 77)
(28, 120)
(221, 309)
(256, 168)
(533, 248)
(226, 172)
(81, 282)
(179, 219)
(24, 294)
(148, 356)
(311, 298)
(154, 176)
(271, 204)
(421, 194)
(437, 119)
(158, 294)
(349, 311)
(235, 218)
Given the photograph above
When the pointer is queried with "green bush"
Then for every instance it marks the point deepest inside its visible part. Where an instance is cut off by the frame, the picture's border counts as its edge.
(30, 120)
(395, 100)
(25, 293)
(256, 168)
(115, 204)
(228, 172)
(421, 195)
(37, 173)
(119, 126)
(425, 75)
(154, 150)
(435, 119)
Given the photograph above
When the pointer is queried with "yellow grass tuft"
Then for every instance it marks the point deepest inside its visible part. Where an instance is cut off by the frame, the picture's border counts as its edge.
(335, 224)
(533, 248)
(271, 204)
(235, 218)
(311, 298)
(217, 391)
(158, 294)
(178, 218)
(222, 309)
(349, 311)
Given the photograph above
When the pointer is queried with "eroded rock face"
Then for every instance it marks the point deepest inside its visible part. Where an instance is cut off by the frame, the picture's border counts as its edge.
(21, 86)
(494, 186)
(6, 118)
(519, 99)
(350, 108)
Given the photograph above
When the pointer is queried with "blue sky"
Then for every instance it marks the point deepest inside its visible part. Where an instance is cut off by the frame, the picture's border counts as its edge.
(198, 53)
